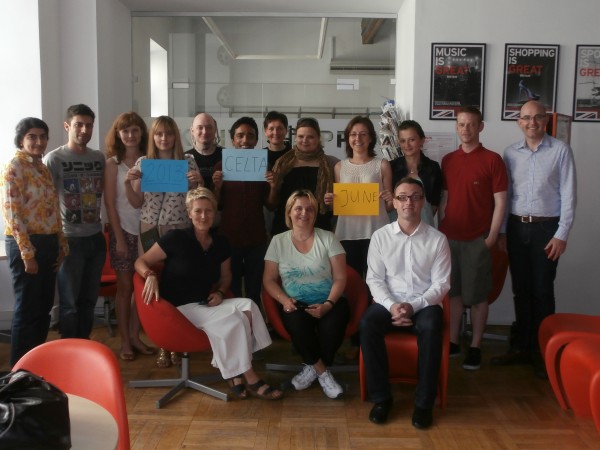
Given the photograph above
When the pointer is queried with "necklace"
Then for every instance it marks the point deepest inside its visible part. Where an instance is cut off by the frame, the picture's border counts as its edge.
(412, 170)
(302, 240)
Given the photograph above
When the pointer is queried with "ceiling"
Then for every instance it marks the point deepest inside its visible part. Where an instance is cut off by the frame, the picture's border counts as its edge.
(265, 7)
(261, 29)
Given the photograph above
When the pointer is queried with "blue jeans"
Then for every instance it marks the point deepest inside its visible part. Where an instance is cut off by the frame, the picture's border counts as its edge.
(34, 294)
(247, 265)
(532, 275)
(79, 283)
(428, 326)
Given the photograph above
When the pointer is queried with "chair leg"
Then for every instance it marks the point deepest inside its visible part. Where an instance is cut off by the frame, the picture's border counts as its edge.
(107, 320)
(183, 382)
(283, 367)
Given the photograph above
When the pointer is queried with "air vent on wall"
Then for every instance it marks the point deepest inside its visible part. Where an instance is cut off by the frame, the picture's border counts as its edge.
(367, 67)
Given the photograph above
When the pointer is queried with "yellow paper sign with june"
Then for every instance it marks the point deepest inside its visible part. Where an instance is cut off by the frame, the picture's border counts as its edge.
(356, 199)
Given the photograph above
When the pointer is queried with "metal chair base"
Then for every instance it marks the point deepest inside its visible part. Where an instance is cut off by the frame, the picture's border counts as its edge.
(184, 381)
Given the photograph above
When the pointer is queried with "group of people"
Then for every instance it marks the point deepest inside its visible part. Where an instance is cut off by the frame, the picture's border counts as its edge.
(280, 234)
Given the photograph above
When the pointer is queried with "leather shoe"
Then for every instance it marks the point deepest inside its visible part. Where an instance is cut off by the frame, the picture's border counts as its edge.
(422, 418)
(511, 358)
(380, 411)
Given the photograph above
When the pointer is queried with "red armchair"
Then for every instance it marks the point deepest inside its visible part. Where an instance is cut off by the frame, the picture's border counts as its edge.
(556, 331)
(580, 374)
(168, 328)
(85, 368)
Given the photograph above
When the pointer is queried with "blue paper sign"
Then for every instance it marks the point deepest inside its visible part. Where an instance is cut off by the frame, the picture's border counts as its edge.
(164, 175)
(244, 164)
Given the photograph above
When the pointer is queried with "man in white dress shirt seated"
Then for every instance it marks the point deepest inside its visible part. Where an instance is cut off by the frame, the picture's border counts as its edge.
(409, 275)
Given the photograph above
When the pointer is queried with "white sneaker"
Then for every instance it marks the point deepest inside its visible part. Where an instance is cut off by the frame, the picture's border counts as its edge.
(305, 378)
(331, 387)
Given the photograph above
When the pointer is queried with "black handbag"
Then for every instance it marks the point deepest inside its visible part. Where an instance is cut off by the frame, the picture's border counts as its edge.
(34, 414)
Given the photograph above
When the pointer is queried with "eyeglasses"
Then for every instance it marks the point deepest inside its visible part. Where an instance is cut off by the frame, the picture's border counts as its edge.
(404, 198)
(537, 118)
(356, 135)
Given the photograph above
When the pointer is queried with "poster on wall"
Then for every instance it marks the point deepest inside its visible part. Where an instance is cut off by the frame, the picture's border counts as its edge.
(457, 79)
(586, 102)
(530, 73)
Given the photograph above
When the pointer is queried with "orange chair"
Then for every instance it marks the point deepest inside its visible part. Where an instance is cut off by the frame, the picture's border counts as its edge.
(580, 374)
(403, 352)
(555, 332)
(85, 368)
(108, 288)
(499, 271)
(168, 328)
(358, 297)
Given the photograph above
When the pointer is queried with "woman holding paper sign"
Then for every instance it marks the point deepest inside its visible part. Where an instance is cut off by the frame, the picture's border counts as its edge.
(306, 166)
(161, 211)
(361, 166)
(126, 142)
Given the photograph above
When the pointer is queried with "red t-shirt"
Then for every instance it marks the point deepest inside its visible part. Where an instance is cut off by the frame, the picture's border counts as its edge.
(471, 180)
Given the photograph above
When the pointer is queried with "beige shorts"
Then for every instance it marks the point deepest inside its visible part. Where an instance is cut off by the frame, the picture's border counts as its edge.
(471, 276)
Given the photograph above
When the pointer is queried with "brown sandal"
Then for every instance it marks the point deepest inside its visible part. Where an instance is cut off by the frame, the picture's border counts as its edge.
(269, 393)
(238, 390)
(163, 359)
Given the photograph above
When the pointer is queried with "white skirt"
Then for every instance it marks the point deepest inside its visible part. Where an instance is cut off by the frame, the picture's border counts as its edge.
(232, 338)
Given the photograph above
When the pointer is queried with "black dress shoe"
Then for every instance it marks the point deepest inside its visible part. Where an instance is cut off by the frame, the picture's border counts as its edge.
(380, 411)
(511, 358)
(422, 418)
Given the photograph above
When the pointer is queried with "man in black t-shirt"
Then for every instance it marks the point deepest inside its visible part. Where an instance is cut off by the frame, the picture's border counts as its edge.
(206, 152)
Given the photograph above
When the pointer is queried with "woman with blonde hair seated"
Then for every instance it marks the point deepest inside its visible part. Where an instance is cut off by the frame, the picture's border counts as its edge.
(311, 263)
(195, 276)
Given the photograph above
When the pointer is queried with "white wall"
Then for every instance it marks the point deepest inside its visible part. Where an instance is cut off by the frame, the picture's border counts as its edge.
(63, 57)
(20, 96)
(531, 22)
(405, 54)
(113, 65)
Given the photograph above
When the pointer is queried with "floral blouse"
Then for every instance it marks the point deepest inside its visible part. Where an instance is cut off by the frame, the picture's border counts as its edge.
(165, 208)
(30, 203)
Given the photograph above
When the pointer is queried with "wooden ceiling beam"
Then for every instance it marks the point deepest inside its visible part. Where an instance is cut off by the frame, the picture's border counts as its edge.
(369, 29)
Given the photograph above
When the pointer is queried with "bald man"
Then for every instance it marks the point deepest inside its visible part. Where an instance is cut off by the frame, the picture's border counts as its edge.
(206, 152)
(542, 195)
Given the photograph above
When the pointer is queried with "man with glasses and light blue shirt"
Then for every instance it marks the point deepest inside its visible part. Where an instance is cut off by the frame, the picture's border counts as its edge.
(542, 196)
(409, 275)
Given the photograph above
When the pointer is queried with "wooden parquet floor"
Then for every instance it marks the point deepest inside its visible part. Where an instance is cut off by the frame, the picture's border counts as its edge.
(493, 408)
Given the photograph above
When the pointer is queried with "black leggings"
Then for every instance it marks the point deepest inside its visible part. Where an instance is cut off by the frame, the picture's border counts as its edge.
(316, 339)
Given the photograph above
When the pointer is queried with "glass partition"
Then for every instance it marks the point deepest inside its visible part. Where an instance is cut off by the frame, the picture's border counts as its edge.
(234, 66)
